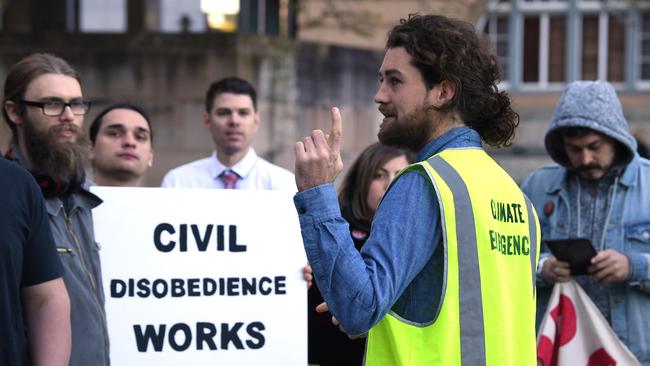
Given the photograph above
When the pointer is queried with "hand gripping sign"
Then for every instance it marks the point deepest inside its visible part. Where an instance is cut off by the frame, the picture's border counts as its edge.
(202, 276)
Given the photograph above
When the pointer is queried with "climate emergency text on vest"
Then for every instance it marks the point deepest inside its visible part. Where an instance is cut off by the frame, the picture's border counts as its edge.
(196, 287)
(509, 244)
(506, 212)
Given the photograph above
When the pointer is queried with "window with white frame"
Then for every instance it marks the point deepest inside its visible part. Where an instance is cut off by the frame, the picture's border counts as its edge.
(644, 49)
(603, 46)
(496, 28)
(544, 45)
(550, 42)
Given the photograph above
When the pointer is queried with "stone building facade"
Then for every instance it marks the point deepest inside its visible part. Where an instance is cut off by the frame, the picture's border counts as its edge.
(298, 79)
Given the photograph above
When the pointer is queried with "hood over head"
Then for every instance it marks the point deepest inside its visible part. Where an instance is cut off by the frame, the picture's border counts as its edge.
(593, 105)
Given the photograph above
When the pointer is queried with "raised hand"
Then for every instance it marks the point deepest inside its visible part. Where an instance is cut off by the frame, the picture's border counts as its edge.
(318, 156)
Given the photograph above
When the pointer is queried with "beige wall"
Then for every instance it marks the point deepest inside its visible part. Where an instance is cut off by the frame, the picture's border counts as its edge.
(365, 23)
(168, 74)
(297, 83)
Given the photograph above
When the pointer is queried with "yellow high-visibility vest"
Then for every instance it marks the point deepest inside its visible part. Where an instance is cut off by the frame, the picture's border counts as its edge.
(486, 315)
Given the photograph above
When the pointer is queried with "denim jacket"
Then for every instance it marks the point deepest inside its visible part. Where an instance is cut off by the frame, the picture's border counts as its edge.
(627, 231)
(75, 240)
(74, 236)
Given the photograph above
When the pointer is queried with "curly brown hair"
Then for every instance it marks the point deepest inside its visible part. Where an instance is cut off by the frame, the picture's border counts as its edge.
(449, 49)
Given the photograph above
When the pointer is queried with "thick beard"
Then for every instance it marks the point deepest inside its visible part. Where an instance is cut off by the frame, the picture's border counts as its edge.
(413, 131)
(59, 160)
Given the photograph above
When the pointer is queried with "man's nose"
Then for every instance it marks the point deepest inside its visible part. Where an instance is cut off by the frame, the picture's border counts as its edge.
(128, 140)
(67, 114)
(586, 157)
(380, 96)
(235, 118)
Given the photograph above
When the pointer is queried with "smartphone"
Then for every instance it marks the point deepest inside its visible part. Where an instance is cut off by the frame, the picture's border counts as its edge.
(576, 251)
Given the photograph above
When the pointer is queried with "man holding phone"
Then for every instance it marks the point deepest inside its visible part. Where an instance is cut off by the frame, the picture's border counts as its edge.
(598, 192)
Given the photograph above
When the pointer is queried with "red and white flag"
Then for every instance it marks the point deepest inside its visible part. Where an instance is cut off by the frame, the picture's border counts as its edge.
(575, 333)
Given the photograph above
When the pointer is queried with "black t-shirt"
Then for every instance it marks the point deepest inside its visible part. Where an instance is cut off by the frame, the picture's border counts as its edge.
(27, 255)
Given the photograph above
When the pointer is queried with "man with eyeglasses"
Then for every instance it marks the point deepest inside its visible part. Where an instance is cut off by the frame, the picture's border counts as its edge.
(44, 107)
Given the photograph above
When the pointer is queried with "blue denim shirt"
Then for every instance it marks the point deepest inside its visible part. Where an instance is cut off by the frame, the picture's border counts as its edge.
(627, 231)
(399, 267)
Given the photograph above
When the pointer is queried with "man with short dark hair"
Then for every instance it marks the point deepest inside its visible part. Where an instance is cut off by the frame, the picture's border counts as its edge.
(44, 108)
(35, 309)
(232, 118)
(122, 150)
(446, 276)
(599, 190)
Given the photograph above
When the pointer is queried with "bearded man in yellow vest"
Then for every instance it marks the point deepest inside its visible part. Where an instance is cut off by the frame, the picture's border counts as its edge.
(447, 275)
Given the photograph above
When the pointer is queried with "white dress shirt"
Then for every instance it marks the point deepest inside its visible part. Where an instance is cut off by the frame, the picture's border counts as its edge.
(254, 173)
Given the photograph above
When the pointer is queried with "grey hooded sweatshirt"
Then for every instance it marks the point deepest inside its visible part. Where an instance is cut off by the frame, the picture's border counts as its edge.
(593, 105)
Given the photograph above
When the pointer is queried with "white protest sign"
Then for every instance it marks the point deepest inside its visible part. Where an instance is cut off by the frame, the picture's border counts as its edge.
(202, 276)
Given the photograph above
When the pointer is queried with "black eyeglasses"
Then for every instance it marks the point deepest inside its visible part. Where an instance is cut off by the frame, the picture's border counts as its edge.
(55, 108)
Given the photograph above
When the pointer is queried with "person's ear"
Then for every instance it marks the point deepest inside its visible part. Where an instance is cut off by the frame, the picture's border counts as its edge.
(150, 162)
(257, 120)
(206, 119)
(445, 92)
(11, 108)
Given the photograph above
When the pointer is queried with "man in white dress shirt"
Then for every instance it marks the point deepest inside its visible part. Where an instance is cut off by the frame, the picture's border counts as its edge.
(232, 118)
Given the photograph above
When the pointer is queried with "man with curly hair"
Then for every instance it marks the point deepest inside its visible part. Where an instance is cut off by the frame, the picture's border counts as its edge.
(447, 275)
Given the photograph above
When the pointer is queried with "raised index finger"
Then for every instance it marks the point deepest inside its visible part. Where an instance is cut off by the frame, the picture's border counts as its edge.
(334, 138)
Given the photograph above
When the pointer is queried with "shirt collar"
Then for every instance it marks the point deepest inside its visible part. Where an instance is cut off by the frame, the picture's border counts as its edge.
(82, 198)
(242, 168)
(457, 137)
